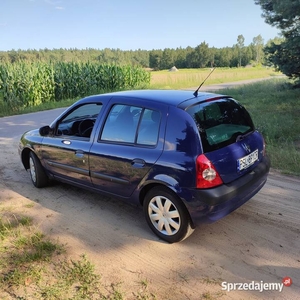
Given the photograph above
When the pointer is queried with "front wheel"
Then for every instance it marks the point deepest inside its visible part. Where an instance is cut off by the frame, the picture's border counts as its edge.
(166, 215)
(37, 174)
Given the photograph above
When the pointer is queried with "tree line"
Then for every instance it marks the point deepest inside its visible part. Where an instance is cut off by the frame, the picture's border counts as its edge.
(199, 57)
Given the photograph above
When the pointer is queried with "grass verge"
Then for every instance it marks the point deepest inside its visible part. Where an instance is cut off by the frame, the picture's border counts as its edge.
(6, 110)
(34, 267)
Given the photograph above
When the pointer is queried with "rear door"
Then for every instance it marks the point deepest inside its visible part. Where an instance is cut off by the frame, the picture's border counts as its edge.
(130, 141)
(228, 137)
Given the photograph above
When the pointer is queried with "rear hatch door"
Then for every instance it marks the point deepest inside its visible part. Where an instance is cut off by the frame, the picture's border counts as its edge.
(229, 139)
(238, 158)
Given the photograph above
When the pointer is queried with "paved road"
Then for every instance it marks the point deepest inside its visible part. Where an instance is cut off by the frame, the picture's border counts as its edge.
(15, 125)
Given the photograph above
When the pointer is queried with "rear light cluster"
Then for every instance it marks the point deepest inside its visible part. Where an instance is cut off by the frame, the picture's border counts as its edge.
(206, 174)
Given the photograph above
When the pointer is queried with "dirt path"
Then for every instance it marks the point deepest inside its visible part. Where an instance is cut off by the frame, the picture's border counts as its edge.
(258, 242)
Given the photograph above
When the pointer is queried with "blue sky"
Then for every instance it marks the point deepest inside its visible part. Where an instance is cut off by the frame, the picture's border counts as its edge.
(129, 24)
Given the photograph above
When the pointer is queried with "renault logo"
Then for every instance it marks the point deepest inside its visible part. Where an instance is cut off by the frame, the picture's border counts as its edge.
(246, 147)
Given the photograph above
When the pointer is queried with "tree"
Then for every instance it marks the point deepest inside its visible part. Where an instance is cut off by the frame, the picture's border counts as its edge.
(223, 57)
(240, 45)
(180, 60)
(284, 15)
(155, 59)
(200, 57)
(258, 43)
(167, 60)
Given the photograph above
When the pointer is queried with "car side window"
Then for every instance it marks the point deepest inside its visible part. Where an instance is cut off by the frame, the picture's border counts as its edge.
(120, 125)
(79, 122)
(131, 124)
(149, 127)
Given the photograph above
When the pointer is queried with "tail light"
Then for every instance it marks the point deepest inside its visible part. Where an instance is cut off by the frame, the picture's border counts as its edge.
(206, 174)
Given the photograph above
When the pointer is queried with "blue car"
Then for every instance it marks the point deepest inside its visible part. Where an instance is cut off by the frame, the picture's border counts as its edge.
(185, 158)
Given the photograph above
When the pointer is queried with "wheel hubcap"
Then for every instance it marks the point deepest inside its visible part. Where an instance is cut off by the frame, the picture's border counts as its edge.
(32, 170)
(164, 215)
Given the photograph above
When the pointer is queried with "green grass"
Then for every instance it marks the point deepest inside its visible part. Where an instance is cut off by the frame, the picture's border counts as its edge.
(7, 110)
(188, 78)
(34, 267)
(275, 108)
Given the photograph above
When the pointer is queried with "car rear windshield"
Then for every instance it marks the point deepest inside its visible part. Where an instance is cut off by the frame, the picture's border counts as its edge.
(220, 122)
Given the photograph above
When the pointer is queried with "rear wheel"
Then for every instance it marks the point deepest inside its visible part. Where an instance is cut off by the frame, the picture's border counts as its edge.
(37, 173)
(166, 215)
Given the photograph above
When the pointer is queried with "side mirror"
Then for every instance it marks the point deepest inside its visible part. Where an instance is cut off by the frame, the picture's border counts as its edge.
(45, 130)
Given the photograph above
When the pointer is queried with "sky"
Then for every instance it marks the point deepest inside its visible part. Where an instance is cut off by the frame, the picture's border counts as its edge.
(129, 24)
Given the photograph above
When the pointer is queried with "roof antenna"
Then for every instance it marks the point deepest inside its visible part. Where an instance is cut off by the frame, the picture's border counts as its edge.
(196, 92)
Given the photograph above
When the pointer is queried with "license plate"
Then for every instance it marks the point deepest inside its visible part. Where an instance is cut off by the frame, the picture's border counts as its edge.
(247, 161)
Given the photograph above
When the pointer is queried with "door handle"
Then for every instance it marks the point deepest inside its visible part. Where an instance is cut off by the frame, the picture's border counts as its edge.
(138, 163)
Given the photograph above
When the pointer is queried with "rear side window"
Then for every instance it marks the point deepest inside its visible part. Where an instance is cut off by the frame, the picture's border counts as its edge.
(220, 122)
(132, 125)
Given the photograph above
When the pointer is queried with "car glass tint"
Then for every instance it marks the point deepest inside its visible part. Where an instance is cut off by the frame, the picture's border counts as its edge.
(84, 111)
(149, 127)
(82, 117)
(220, 122)
(121, 124)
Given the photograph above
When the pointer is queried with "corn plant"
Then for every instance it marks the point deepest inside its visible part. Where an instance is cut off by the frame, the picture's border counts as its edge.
(26, 84)
(30, 84)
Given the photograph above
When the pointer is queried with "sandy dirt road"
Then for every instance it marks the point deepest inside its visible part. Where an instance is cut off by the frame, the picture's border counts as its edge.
(258, 242)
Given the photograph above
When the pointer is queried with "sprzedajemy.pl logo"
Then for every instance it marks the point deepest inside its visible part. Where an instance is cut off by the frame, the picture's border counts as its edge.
(256, 286)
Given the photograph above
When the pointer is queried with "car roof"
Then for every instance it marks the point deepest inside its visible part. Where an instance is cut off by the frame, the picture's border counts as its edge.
(181, 98)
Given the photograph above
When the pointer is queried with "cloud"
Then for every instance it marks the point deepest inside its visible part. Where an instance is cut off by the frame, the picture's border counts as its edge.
(52, 2)
(55, 3)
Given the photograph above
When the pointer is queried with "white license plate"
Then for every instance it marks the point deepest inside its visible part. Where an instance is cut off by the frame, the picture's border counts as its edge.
(247, 161)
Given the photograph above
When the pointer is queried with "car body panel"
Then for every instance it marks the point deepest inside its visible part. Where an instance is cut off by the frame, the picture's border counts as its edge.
(225, 159)
(210, 205)
(67, 158)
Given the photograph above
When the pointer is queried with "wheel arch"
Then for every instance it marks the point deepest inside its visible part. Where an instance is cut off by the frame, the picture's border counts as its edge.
(158, 180)
(25, 157)
(168, 182)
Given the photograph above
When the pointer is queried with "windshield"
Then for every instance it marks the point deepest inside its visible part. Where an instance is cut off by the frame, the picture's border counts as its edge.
(220, 122)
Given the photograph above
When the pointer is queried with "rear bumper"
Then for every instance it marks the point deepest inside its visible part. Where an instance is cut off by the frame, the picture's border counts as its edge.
(210, 205)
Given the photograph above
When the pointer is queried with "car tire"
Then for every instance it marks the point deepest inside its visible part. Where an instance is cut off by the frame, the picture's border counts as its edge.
(37, 173)
(166, 215)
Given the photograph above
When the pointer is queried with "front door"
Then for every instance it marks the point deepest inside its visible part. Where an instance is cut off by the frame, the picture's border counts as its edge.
(66, 152)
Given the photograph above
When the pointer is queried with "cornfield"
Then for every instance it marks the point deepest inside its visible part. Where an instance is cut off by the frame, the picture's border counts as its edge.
(30, 84)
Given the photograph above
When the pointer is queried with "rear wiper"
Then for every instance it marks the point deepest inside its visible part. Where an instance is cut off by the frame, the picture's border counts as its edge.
(241, 136)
